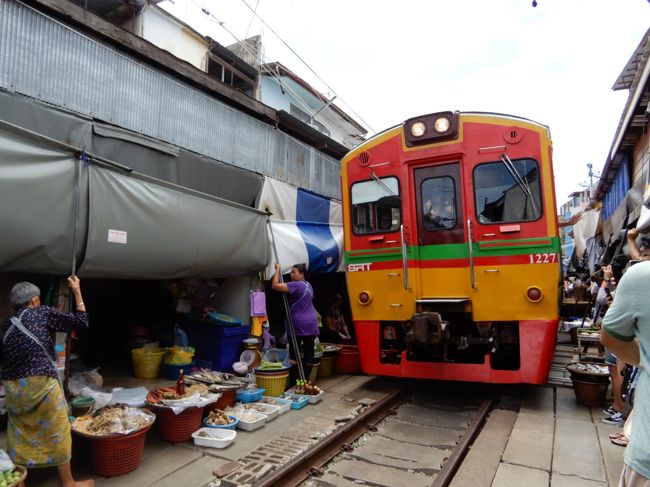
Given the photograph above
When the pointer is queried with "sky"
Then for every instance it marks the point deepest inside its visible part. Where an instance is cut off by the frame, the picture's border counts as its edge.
(387, 61)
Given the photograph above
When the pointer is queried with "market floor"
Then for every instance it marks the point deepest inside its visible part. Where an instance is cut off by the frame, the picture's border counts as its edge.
(552, 441)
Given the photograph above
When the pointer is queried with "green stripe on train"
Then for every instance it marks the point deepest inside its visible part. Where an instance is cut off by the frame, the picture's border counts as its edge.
(458, 251)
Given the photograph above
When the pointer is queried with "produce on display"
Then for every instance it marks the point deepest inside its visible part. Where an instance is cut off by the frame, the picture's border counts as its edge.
(113, 419)
(218, 417)
(306, 387)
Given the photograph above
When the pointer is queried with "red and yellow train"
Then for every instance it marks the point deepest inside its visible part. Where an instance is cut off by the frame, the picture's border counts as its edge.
(452, 248)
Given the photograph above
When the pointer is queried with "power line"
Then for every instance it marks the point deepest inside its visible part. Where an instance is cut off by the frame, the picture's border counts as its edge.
(304, 62)
(274, 76)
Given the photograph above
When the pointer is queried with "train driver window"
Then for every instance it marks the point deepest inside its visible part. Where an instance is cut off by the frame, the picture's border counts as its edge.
(438, 203)
(507, 194)
(376, 206)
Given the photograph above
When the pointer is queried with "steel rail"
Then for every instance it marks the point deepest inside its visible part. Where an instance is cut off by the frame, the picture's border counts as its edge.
(299, 468)
(451, 466)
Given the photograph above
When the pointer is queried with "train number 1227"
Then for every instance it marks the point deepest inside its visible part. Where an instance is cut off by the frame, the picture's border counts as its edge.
(542, 258)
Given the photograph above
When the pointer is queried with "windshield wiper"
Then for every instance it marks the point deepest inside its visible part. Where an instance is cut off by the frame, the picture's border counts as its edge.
(383, 185)
(521, 181)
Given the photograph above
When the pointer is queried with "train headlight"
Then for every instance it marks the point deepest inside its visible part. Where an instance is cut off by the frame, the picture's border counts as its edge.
(534, 294)
(418, 129)
(431, 128)
(365, 298)
(441, 124)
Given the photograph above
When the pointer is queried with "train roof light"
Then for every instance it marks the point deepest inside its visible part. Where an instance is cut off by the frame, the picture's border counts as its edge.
(441, 124)
(432, 128)
(418, 129)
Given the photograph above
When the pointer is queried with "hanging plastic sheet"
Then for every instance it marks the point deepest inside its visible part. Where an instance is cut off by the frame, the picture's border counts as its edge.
(584, 229)
(37, 184)
(307, 227)
(143, 229)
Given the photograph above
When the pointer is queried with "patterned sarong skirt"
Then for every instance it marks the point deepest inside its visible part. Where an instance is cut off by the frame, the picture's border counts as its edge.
(38, 433)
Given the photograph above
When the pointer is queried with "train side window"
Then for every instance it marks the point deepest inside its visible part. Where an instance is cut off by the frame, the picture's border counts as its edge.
(438, 203)
(376, 206)
(501, 198)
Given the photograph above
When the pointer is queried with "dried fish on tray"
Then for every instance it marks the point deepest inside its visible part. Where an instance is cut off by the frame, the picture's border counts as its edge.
(113, 420)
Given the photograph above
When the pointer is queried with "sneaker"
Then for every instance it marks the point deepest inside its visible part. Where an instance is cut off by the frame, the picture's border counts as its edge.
(616, 420)
(610, 411)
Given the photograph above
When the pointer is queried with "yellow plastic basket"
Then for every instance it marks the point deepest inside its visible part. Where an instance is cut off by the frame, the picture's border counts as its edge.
(274, 384)
(146, 362)
(326, 367)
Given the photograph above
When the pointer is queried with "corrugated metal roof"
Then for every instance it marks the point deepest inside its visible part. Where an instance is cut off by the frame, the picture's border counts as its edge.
(632, 122)
(47, 60)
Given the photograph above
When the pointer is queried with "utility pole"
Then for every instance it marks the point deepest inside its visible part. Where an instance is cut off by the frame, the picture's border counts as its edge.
(591, 180)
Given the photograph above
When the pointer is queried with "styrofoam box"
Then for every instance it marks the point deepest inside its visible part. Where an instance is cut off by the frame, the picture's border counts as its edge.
(252, 425)
(283, 404)
(217, 438)
(269, 410)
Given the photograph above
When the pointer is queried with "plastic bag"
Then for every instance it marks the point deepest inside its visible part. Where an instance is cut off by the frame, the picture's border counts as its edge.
(179, 355)
(101, 398)
(5, 462)
(180, 337)
(79, 380)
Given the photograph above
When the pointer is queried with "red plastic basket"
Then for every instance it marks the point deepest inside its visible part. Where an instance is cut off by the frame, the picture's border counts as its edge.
(226, 400)
(178, 428)
(117, 455)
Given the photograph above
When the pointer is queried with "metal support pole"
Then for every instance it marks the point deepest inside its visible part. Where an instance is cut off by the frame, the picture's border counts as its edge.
(287, 310)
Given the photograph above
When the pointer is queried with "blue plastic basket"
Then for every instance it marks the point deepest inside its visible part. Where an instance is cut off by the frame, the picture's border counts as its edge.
(230, 426)
(301, 403)
(171, 371)
(252, 395)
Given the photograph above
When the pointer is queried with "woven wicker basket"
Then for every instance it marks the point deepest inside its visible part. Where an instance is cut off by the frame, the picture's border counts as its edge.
(274, 384)
(590, 394)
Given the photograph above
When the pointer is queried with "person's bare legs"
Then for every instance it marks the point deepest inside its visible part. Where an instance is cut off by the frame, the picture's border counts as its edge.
(65, 476)
(617, 384)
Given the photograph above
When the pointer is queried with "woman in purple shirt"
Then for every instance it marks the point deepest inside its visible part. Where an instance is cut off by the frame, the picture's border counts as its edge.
(303, 315)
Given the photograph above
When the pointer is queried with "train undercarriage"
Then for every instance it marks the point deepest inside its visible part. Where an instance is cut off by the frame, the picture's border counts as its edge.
(451, 337)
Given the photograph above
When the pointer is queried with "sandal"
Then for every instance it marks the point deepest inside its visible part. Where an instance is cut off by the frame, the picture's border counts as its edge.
(623, 441)
(616, 436)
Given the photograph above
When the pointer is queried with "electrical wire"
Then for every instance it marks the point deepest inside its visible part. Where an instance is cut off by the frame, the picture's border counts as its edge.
(275, 76)
(304, 62)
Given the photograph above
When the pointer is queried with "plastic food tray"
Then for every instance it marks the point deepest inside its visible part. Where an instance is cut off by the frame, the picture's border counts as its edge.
(312, 398)
(217, 437)
(252, 425)
(283, 404)
(270, 411)
(297, 402)
(230, 426)
(252, 395)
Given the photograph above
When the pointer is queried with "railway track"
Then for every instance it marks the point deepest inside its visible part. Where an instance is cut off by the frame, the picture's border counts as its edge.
(417, 436)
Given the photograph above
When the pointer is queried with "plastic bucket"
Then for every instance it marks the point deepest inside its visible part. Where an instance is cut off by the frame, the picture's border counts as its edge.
(347, 361)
